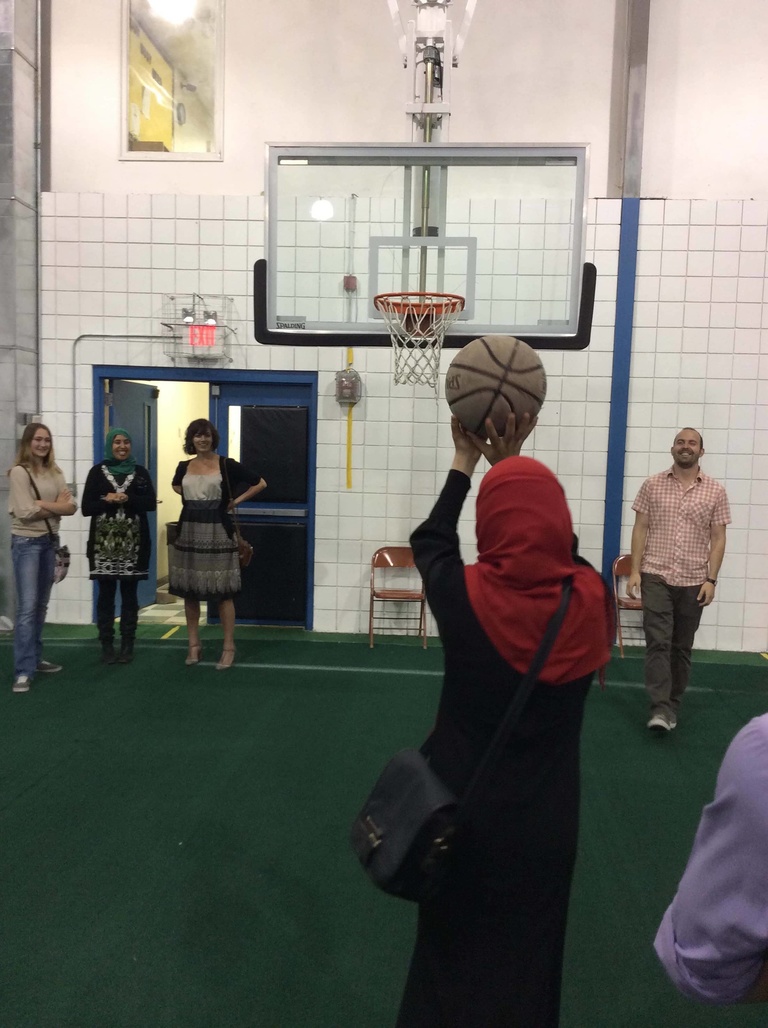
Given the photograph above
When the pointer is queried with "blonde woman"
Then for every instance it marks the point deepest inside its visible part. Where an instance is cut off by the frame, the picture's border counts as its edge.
(39, 498)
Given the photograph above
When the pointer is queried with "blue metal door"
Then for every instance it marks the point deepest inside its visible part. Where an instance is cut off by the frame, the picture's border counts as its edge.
(270, 426)
(253, 409)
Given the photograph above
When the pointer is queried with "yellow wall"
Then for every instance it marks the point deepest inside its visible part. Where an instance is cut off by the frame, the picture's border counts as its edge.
(178, 403)
(152, 99)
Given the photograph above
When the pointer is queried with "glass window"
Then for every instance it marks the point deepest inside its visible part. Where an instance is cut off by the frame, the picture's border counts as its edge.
(173, 79)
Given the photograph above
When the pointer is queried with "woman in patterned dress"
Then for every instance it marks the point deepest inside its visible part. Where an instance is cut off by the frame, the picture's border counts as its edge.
(117, 496)
(204, 559)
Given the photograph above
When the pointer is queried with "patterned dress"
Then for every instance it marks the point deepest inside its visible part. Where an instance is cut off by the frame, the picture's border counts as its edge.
(204, 561)
(119, 542)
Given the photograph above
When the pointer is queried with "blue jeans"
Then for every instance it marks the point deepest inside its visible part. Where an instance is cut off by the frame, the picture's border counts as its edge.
(33, 562)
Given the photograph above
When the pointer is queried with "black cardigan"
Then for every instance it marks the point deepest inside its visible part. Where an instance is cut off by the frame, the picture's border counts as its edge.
(141, 500)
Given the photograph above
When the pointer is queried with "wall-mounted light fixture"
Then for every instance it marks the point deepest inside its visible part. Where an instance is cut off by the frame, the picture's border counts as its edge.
(198, 312)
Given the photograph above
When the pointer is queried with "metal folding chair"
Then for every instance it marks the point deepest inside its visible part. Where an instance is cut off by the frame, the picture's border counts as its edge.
(384, 562)
(621, 569)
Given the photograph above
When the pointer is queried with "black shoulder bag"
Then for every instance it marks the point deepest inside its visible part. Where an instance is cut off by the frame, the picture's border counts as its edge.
(63, 558)
(405, 834)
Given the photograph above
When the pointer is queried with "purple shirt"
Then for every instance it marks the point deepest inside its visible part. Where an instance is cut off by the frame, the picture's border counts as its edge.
(713, 938)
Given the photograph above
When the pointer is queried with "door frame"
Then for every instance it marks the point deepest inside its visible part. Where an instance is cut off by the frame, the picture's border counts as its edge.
(212, 376)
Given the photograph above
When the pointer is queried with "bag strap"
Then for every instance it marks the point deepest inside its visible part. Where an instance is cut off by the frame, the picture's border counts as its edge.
(37, 494)
(515, 708)
(229, 490)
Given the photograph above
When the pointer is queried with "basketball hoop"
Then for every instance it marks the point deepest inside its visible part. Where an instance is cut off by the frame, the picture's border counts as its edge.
(417, 324)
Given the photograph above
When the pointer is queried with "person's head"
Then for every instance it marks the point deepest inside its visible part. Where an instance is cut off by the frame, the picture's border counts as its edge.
(687, 448)
(118, 445)
(200, 429)
(36, 447)
(523, 521)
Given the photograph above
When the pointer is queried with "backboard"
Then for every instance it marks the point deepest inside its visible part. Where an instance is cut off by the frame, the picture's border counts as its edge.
(502, 226)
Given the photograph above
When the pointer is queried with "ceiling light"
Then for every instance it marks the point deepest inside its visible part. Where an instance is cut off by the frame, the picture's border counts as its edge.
(321, 210)
(174, 11)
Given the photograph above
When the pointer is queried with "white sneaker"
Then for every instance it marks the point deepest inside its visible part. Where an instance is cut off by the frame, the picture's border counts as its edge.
(22, 683)
(660, 723)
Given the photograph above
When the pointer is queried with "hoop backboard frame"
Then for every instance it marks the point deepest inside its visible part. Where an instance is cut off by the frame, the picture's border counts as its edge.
(518, 254)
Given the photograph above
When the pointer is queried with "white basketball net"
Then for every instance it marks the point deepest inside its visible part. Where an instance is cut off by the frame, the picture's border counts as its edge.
(417, 324)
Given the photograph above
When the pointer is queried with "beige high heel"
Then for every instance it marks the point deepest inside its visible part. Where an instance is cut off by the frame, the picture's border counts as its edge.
(223, 662)
(195, 655)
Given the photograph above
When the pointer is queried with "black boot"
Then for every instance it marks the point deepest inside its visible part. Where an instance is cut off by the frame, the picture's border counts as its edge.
(126, 651)
(108, 655)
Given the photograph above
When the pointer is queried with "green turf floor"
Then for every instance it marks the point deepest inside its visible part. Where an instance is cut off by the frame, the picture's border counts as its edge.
(174, 844)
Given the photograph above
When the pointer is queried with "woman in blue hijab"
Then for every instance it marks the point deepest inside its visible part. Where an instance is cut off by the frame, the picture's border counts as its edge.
(117, 496)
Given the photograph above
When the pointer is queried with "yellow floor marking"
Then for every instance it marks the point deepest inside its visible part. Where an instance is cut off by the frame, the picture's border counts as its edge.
(764, 655)
(173, 631)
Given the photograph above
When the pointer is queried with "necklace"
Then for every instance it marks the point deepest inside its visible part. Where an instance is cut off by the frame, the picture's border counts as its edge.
(110, 478)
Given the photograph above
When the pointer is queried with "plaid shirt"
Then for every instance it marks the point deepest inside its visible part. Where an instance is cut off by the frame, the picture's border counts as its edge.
(680, 525)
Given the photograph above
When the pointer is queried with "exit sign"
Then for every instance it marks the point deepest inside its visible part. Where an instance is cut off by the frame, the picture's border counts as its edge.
(202, 335)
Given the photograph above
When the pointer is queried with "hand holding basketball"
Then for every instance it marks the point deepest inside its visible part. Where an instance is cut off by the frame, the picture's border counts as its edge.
(510, 444)
(467, 452)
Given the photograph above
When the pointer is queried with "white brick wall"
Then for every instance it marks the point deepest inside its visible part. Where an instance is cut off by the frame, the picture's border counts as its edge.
(700, 357)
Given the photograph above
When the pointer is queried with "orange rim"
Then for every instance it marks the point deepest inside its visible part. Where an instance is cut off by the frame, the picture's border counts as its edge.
(418, 303)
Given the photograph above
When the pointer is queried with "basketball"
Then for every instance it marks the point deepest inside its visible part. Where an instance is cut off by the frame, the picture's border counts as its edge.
(492, 377)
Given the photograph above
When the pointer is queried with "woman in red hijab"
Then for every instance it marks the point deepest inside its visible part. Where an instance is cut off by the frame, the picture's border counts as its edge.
(489, 948)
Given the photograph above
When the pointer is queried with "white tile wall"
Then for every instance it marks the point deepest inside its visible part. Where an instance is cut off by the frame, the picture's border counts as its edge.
(700, 357)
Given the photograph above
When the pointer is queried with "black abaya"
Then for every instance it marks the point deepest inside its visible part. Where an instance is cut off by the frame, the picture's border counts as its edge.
(489, 949)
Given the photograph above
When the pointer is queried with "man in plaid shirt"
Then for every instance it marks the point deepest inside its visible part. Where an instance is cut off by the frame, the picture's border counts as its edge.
(678, 543)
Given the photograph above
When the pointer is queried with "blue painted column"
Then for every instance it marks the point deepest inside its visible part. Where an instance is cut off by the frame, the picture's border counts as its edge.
(622, 353)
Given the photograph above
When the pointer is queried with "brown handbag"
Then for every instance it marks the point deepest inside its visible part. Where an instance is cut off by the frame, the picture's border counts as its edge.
(244, 548)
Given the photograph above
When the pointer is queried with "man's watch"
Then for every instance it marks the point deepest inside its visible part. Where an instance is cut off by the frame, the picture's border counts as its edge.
(712, 581)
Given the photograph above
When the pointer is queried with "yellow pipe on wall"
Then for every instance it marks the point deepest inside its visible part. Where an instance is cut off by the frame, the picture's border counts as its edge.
(350, 358)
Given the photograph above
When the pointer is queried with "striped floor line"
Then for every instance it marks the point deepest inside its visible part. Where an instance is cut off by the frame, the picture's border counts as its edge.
(333, 669)
(350, 669)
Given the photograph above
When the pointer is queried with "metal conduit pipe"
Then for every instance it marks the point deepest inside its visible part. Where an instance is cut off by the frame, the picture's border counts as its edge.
(38, 195)
(431, 58)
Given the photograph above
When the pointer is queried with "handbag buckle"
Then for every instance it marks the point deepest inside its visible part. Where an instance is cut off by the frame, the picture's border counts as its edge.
(373, 831)
(438, 850)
